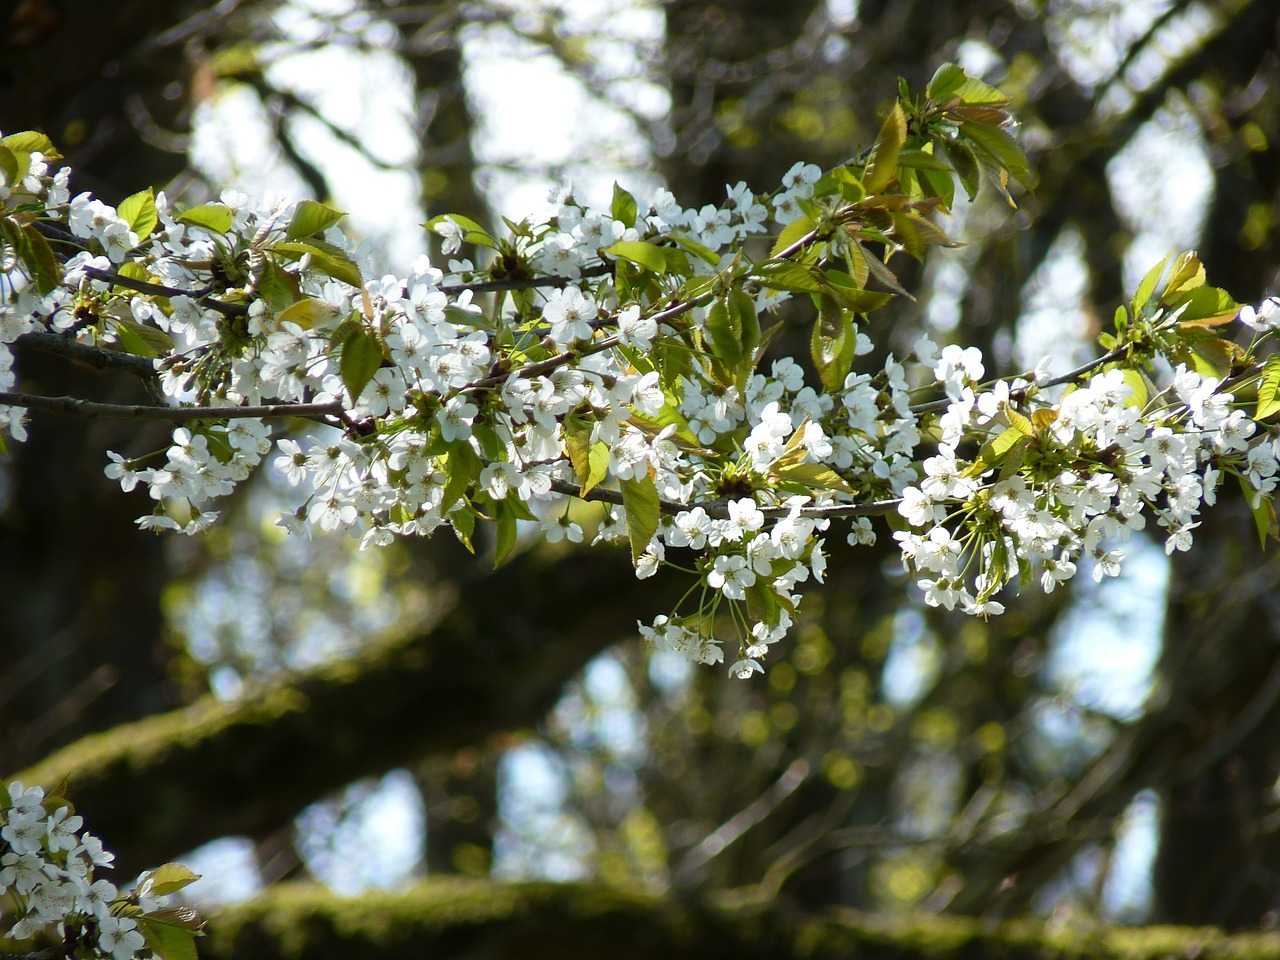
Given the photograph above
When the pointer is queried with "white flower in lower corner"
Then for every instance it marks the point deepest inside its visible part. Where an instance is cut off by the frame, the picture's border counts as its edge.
(119, 937)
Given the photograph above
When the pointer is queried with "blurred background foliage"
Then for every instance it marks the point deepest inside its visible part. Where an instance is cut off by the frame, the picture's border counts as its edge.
(1108, 753)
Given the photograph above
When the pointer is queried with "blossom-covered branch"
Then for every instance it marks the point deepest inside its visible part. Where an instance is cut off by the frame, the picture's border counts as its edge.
(621, 358)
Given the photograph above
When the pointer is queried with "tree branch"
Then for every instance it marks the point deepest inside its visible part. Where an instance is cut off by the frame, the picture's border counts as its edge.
(495, 660)
(63, 346)
(141, 411)
(159, 290)
(455, 917)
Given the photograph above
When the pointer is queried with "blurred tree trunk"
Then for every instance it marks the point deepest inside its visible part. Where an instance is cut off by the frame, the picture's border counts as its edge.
(1217, 855)
(83, 646)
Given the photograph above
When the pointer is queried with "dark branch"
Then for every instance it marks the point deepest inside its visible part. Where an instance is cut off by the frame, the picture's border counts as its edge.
(138, 411)
(62, 346)
(159, 290)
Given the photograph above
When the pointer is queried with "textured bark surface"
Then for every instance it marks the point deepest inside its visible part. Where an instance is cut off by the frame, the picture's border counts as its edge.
(458, 918)
(495, 661)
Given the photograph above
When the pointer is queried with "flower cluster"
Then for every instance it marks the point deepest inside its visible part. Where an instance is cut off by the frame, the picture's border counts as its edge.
(617, 356)
(47, 864)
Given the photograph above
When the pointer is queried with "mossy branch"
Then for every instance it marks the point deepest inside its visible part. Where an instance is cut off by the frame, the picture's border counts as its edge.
(495, 661)
(475, 918)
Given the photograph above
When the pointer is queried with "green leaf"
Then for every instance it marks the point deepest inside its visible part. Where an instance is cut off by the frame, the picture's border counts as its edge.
(214, 217)
(832, 343)
(599, 466)
(703, 253)
(166, 879)
(472, 232)
(814, 475)
(883, 167)
(647, 255)
(1205, 307)
(312, 217)
(167, 941)
(640, 501)
(1269, 389)
(950, 83)
(139, 211)
(9, 167)
(839, 181)
(965, 163)
(1187, 274)
(743, 308)
(277, 287)
(851, 295)
(309, 313)
(790, 276)
(624, 206)
(31, 141)
(464, 526)
(38, 258)
(1264, 511)
(994, 450)
(792, 232)
(724, 329)
(506, 532)
(1147, 287)
(361, 357)
(127, 331)
(330, 260)
(184, 917)
(668, 415)
(1141, 390)
(999, 153)
(1020, 423)
(462, 470)
(577, 445)
(142, 340)
(917, 159)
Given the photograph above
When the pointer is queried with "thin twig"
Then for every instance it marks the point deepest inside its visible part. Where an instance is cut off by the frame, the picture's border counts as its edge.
(733, 828)
(140, 411)
(719, 509)
(142, 286)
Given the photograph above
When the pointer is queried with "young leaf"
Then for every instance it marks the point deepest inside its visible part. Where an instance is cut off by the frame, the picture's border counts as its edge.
(361, 357)
(214, 217)
(328, 259)
(311, 217)
(166, 879)
(139, 211)
(703, 253)
(462, 469)
(725, 330)
(647, 255)
(1147, 287)
(309, 313)
(506, 532)
(814, 475)
(792, 232)
(1269, 388)
(640, 501)
(624, 206)
(167, 941)
(883, 167)
(832, 343)
(10, 170)
(39, 259)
